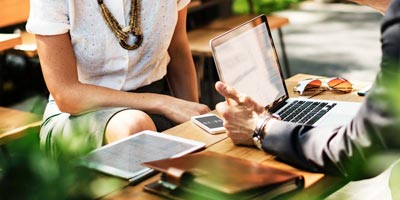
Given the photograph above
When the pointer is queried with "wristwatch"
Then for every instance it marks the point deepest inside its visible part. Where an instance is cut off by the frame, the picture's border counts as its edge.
(259, 133)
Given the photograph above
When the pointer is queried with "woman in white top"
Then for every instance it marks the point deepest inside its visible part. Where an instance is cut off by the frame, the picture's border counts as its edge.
(105, 62)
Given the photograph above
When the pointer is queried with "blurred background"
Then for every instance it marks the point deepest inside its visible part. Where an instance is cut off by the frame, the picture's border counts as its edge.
(322, 37)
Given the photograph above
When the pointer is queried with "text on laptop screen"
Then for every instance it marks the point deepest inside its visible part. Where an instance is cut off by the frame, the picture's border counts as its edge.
(248, 63)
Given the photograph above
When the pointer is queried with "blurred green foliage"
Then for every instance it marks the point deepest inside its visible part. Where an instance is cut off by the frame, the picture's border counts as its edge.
(27, 172)
(394, 182)
(263, 6)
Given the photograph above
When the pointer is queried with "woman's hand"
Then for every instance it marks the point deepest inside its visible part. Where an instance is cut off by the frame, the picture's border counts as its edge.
(180, 111)
(240, 115)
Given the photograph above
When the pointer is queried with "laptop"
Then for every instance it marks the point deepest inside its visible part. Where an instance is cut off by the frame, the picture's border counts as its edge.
(246, 59)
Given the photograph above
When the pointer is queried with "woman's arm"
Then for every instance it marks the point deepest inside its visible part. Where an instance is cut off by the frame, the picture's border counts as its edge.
(59, 68)
(181, 70)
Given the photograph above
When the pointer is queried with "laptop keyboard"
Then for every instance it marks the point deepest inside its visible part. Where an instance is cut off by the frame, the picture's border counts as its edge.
(305, 112)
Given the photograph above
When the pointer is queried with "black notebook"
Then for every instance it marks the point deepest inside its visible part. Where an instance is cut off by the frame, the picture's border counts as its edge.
(123, 158)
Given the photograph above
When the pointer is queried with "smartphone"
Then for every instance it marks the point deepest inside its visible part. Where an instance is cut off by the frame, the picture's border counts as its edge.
(364, 91)
(210, 123)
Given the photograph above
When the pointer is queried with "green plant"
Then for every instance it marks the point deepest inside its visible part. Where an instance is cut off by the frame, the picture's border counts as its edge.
(29, 173)
(263, 6)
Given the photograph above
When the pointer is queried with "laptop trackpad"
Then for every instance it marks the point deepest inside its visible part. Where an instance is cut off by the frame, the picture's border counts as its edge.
(341, 114)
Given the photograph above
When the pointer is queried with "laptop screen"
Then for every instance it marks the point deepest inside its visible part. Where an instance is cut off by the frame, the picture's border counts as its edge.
(246, 59)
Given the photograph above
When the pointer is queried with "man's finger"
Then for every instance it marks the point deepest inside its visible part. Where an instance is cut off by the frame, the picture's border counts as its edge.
(227, 91)
(224, 109)
(240, 99)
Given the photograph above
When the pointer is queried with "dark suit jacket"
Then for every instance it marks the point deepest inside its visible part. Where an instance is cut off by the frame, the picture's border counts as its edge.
(346, 150)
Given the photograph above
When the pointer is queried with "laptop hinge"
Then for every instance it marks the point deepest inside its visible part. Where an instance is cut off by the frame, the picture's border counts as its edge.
(277, 106)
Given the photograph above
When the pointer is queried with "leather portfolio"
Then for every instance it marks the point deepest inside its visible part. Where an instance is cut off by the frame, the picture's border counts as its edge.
(211, 175)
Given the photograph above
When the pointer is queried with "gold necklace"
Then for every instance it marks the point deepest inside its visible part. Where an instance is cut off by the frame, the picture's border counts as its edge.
(122, 34)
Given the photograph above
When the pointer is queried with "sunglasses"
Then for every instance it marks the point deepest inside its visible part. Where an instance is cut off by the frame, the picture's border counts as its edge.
(314, 85)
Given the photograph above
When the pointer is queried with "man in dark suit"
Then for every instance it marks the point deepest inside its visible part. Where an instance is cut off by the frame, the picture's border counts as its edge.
(344, 150)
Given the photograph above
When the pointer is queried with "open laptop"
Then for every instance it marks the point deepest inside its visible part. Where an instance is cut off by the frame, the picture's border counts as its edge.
(246, 59)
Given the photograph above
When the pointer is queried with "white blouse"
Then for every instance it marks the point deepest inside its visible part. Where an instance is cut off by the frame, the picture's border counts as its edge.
(100, 59)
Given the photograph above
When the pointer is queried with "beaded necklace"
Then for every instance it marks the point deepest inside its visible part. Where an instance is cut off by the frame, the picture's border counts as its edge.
(122, 34)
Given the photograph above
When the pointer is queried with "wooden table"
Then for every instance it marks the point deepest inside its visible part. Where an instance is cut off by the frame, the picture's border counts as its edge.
(199, 39)
(317, 185)
(28, 46)
(13, 12)
(8, 41)
(14, 124)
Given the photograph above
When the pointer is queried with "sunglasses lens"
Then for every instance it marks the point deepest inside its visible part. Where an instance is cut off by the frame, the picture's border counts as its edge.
(307, 85)
(313, 84)
(340, 84)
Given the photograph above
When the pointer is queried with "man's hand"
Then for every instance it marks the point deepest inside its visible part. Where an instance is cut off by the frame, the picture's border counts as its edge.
(240, 114)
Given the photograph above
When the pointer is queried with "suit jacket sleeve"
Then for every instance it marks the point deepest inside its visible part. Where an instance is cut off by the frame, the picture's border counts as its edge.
(345, 150)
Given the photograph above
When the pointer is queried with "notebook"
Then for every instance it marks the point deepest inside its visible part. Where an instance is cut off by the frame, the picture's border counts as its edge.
(123, 158)
(246, 59)
(209, 175)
